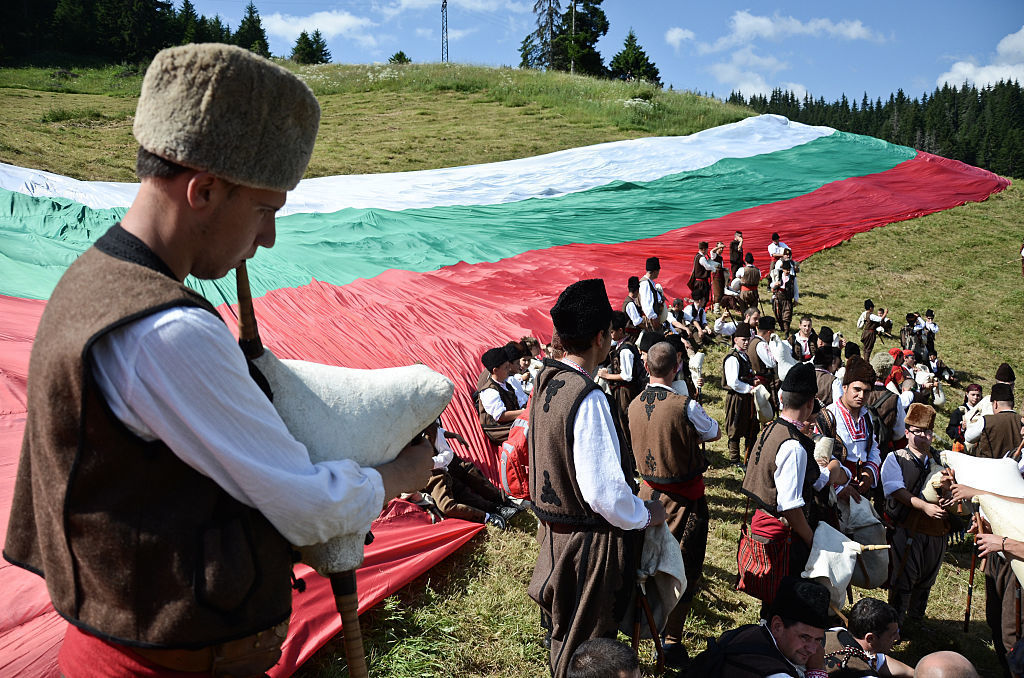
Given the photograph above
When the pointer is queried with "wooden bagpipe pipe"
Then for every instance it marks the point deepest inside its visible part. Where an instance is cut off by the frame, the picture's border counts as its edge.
(367, 416)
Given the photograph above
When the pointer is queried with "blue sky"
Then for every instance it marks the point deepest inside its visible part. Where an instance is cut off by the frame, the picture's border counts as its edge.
(824, 48)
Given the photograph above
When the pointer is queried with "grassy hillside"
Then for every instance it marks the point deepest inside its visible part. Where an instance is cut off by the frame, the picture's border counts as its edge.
(470, 616)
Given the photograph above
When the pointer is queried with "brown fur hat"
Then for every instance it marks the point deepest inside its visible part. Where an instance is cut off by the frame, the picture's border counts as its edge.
(921, 416)
(858, 369)
(224, 110)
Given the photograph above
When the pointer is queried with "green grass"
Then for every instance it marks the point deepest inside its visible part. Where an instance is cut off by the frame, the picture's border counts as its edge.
(470, 615)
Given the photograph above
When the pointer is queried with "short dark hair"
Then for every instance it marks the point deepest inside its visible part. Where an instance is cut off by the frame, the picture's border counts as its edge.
(577, 344)
(619, 320)
(793, 400)
(662, 360)
(602, 658)
(871, 615)
(807, 318)
(148, 165)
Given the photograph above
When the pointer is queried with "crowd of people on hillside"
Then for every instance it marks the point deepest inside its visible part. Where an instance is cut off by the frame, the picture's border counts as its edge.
(820, 428)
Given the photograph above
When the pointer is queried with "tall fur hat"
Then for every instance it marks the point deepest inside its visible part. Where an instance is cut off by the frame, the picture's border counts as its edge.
(766, 322)
(742, 330)
(582, 309)
(858, 369)
(921, 416)
(800, 379)
(868, 304)
(882, 362)
(653, 264)
(224, 110)
(1005, 373)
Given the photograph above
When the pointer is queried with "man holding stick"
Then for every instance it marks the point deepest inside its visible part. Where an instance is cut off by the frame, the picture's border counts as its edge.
(158, 489)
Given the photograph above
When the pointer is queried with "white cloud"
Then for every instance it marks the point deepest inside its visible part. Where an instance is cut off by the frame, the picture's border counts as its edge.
(459, 33)
(676, 36)
(747, 71)
(796, 88)
(1007, 64)
(427, 33)
(330, 24)
(745, 27)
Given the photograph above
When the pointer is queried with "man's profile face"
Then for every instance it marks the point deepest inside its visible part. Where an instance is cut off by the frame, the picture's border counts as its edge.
(883, 643)
(239, 220)
(605, 339)
(853, 394)
(502, 371)
(799, 642)
(754, 318)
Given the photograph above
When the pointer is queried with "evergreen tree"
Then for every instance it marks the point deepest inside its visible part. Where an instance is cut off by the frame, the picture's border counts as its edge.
(632, 63)
(399, 58)
(250, 33)
(529, 53)
(215, 30)
(321, 54)
(547, 25)
(302, 52)
(189, 24)
(575, 44)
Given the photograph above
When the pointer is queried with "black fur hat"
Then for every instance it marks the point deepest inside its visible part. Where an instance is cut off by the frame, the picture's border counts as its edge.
(582, 310)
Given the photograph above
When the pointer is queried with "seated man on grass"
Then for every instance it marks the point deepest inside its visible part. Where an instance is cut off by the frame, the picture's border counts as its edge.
(859, 651)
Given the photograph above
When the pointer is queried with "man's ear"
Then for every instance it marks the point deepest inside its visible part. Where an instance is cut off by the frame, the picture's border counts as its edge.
(199, 191)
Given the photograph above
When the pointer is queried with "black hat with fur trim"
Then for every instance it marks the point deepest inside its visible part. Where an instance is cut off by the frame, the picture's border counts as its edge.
(822, 356)
(677, 342)
(190, 113)
(1005, 373)
(858, 369)
(1001, 393)
(653, 264)
(582, 310)
(748, 258)
(648, 339)
(826, 335)
(802, 600)
(800, 379)
(494, 357)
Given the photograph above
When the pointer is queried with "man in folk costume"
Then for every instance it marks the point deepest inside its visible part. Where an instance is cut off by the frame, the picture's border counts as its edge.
(750, 280)
(738, 381)
(158, 490)
(700, 276)
(997, 433)
(783, 288)
(631, 305)
(590, 522)
(788, 643)
(805, 341)
(872, 324)
(887, 404)
(761, 359)
(718, 274)
(783, 477)
(861, 650)
(667, 430)
(1004, 375)
(625, 374)
(956, 428)
(727, 328)
(736, 256)
(823, 363)
(652, 298)
(775, 249)
(919, 542)
(847, 421)
(497, 401)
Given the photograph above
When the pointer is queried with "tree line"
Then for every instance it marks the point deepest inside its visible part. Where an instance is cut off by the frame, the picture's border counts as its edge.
(132, 31)
(979, 126)
(566, 40)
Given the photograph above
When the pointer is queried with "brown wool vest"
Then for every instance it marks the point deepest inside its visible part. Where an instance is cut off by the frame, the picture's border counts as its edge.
(844, 658)
(636, 384)
(557, 395)
(759, 482)
(636, 302)
(1000, 435)
(825, 380)
(134, 544)
(913, 481)
(666, 445)
(699, 272)
(886, 411)
(492, 429)
(758, 367)
(751, 278)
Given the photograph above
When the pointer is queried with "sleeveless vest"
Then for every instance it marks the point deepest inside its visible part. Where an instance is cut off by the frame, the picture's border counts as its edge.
(746, 371)
(1000, 435)
(699, 272)
(750, 279)
(824, 379)
(913, 479)
(135, 545)
(659, 300)
(494, 430)
(844, 657)
(759, 482)
(745, 652)
(666, 446)
(636, 384)
(556, 495)
(756, 365)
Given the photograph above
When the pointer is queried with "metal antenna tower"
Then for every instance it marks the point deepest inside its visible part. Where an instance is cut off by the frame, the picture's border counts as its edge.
(444, 31)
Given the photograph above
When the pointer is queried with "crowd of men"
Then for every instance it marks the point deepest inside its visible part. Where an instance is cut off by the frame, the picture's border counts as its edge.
(617, 437)
(163, 517)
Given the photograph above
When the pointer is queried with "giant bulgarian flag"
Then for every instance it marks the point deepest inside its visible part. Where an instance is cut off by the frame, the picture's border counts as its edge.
(436, 266)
